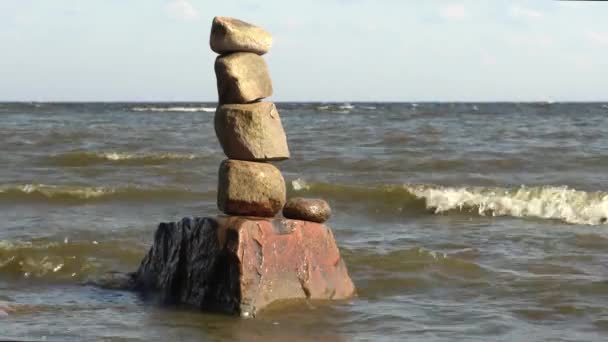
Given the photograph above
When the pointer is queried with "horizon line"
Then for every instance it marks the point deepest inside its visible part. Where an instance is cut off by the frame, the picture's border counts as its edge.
(300, 101)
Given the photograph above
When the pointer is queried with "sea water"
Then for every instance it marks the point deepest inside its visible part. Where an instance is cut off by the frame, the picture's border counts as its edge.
(457, 221)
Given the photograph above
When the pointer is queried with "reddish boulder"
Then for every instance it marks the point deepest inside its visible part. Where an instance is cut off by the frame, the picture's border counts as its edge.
(241, 265)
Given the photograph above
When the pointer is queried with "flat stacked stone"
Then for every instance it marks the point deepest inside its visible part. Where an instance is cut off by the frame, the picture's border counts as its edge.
(233, 35)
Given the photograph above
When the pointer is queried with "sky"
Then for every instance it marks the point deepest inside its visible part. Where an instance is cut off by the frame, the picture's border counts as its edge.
(323, 50)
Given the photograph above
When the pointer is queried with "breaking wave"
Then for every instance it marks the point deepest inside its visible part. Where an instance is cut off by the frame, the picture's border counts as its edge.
(174, 109)
(344, 108)
(61, 194)
(544, 202)
(66, 261)
(91, 158)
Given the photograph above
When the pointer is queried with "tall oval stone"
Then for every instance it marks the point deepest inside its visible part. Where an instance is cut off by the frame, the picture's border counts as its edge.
(252, 132)
(233, 35)
(250, 189)
(242, 77)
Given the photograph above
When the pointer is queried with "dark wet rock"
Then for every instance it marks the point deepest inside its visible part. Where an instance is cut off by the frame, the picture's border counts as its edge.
(242, 77)
(307, 209)
(241, 265)
(114, 281)
(233, 35)
(252, 132)
(250, 188)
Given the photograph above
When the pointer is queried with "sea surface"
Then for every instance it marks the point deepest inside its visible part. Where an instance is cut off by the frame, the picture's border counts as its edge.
(457, 221)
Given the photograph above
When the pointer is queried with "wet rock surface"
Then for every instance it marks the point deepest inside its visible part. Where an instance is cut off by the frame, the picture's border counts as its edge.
(241, 265)
(307, 209)
(113, 281)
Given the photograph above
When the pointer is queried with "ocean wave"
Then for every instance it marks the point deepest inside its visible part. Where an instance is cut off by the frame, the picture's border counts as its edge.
(66, 261)
(385, 273)
(61, 194)
(174, 109)
(92, 158)
(344, 108)
(543, 202)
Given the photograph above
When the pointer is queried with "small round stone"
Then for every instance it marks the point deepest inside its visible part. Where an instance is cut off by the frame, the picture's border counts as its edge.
(307, 209)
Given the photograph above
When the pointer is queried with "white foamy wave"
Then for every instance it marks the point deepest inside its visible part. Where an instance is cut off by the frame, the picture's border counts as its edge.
(344, 108)
(561, 203)
(54, 190)
(300, 184)
(174, 109)
(117, 156)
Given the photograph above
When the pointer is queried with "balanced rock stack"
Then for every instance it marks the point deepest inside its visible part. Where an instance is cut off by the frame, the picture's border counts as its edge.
(242, 262)
(249, 130)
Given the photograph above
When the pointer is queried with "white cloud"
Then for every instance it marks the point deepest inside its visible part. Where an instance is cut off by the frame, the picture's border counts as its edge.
(453, 12)
(527, 13)
(488, 58)
(535, 40)
(600, 38)
(182, 9)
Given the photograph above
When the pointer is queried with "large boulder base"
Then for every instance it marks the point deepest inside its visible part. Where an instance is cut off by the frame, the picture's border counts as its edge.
(241, 265)
(242, 77)
(233, 35)
(250, 188)
(251, 132)
(307, 209)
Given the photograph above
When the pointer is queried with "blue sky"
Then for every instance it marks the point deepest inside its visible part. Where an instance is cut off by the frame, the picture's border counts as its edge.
(324, 50)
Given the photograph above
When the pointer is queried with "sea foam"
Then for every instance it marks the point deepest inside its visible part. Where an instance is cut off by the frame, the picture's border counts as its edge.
(560, 203)
(543, 202)
(65, 194)
(144, 158)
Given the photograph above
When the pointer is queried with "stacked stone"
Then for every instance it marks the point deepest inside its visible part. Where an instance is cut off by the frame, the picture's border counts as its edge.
(249, 129)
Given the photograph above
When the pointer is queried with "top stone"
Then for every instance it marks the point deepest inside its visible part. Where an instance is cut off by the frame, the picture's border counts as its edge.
(233, 35)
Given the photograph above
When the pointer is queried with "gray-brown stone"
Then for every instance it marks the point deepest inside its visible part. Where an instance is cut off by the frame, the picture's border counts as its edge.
(252, 132)
(242, 77)
(233, 35)
(250, 188)
(307, 209)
